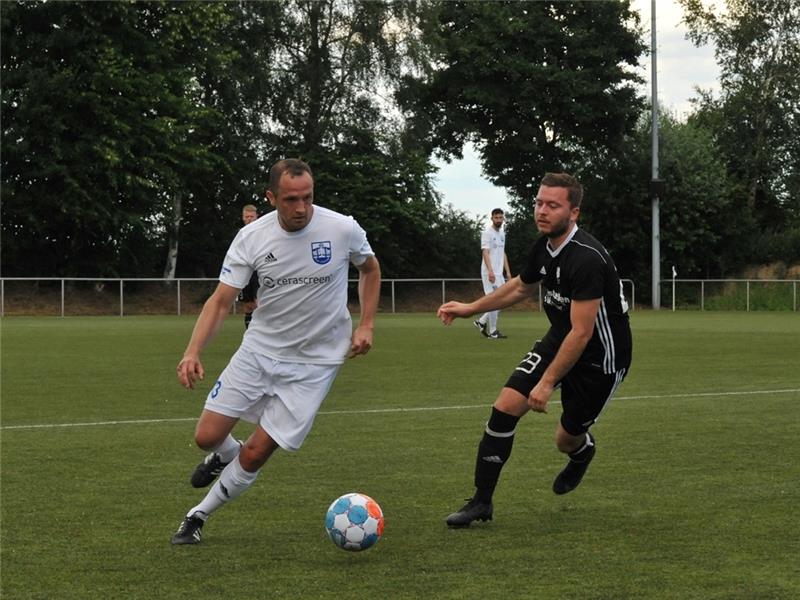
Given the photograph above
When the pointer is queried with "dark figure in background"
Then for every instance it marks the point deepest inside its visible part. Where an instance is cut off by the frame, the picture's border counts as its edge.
(249, 294)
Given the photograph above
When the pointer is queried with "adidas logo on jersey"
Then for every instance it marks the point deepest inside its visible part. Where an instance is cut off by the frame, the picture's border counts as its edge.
(543, 271)
(270, 258)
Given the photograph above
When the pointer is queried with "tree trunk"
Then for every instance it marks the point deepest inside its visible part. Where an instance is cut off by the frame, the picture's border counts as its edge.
(174, 231)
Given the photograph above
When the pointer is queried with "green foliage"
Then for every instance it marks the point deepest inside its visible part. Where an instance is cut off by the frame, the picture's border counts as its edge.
(331, 95)
(100, 126)
(377, 189)
(137, 128)
(133, 132)
(616, 206)
(233, 83)
(769, 247)
(536, 86)
(337, 63)
(701, 524)
(699, 192)
(755, 119)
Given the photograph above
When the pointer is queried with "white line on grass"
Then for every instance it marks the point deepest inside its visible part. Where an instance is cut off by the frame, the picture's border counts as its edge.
(397, 410)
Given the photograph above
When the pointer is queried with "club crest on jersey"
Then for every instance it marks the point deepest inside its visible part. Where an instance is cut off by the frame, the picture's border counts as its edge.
(321, 252)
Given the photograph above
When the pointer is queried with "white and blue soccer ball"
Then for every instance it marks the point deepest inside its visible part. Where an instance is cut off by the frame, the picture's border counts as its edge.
(354, 522)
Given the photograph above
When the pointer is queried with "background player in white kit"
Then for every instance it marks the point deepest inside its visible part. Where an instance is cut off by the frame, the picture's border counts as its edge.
(300, 334)
(494, 270)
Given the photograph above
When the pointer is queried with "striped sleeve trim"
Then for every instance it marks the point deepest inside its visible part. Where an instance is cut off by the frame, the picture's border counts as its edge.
(603, 327)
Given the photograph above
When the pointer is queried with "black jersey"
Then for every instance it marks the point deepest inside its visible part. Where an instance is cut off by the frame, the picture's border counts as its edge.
(581, 269)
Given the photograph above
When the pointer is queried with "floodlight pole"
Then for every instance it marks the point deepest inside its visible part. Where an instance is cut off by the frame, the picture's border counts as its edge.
(656, 187)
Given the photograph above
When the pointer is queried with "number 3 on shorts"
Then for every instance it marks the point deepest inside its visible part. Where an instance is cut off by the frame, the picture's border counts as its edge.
(529, 363)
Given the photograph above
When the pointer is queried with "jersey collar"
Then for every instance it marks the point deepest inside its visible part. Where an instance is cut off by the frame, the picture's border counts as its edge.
(557, 251)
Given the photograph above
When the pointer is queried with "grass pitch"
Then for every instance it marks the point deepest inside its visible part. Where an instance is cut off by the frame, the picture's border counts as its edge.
(694, 491)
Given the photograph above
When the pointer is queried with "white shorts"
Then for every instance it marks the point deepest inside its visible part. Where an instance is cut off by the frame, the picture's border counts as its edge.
(488, 286)
(282, 397)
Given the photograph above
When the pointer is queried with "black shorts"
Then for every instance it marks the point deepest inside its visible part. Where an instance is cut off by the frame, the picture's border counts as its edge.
(584, 390)
(249, 293)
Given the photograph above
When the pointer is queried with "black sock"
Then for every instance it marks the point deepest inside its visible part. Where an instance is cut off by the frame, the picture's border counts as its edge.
(493, 452)
(247, 318)
(581, 454)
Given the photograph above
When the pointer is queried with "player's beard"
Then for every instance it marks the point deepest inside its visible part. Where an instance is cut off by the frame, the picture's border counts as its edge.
(558, 229)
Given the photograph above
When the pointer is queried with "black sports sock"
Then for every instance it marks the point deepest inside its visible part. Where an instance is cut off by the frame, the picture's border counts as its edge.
(581, 454)
(493, 452)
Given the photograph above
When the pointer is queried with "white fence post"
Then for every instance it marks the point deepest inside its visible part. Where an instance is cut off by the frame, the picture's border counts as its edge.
(702, 295)
(748, 295)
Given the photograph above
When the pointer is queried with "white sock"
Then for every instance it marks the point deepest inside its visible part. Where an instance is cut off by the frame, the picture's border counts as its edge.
(232, 482)
(492, 321)
(228, 449)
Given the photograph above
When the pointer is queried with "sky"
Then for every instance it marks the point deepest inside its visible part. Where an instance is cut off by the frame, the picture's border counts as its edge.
(681, 67)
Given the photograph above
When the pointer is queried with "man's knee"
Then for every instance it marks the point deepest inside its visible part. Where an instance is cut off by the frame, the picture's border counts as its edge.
(212, 429)
(256, 450)
(511, 402)
(566, 442)
(207, 439)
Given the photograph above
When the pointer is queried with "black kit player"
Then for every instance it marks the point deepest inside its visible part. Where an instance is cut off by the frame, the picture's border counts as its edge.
(249, 294)
(586, 351)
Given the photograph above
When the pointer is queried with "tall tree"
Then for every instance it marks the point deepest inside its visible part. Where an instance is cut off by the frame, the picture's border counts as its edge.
(233, 82)
(134, 131)
(99, 124)
(700, 223)
(336, 67)
(756, 117)
(536, 86)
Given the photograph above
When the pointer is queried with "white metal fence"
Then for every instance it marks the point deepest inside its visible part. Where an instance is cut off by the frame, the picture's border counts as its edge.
(75, 296)
(730, 294)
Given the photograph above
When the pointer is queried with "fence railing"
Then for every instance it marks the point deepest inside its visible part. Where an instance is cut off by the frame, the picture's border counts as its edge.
(73, 296)
(130, 296)
(730, 294)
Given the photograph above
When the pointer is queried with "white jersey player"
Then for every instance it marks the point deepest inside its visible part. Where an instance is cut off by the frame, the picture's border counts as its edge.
(494, 270)
(300, 334)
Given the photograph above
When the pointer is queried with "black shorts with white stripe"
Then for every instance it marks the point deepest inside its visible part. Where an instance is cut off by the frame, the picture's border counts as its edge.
(585, 390)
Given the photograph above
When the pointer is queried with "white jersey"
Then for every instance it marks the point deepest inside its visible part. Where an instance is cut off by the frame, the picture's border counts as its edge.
(495, 242)
(302, 313)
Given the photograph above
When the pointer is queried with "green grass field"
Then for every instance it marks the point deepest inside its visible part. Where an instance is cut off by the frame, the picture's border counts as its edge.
(694, 492)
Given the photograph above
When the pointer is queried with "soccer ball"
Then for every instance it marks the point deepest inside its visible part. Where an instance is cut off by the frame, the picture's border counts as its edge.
(354, 522)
